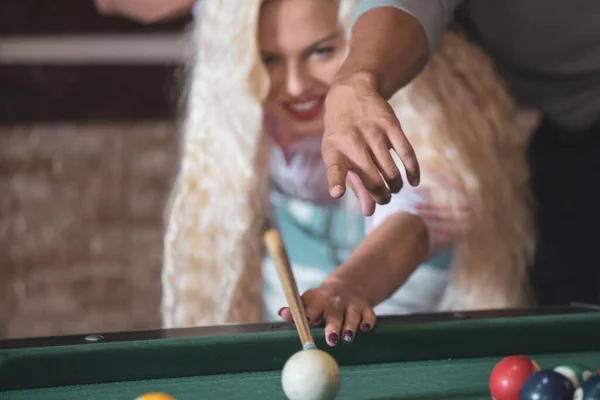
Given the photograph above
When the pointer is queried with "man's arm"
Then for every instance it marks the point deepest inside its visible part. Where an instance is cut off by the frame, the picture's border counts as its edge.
(390, 44)
(393, 39)
(146, 11)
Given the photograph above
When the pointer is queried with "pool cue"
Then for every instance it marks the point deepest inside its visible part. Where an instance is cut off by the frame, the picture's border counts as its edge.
(276, 248)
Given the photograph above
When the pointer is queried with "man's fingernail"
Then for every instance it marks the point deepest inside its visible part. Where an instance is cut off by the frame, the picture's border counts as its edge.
(336, 191)
(348, 336)
(333, 338)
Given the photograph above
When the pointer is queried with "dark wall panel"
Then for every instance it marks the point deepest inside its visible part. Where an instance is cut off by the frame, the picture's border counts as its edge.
(89, 93)
(111, 92)
(35, 17)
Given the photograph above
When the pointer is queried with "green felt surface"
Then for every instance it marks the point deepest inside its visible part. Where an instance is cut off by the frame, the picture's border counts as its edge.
(448, 379)
(442, 360)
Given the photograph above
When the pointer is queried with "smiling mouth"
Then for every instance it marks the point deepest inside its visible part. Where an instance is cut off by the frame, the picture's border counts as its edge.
(305, 110)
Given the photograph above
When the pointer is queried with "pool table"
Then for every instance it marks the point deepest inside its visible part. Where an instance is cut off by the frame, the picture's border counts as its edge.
(428, 356)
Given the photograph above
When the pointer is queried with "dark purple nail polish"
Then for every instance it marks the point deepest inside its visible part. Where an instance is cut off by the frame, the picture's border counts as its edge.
(348, 336)
(333, 338)
(366, 327)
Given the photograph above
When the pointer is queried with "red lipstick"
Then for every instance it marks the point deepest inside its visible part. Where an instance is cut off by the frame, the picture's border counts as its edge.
(305, 109)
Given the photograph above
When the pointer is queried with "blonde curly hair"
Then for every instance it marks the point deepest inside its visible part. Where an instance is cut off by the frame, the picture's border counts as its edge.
(457, 113)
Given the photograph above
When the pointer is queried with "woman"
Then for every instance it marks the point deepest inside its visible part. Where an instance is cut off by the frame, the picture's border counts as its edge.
(460, 240)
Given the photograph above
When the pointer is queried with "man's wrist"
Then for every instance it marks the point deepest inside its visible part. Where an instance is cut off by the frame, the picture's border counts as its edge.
(357, 78)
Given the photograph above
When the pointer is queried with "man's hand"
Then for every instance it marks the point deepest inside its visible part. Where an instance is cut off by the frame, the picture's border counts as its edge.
(360, 130)
(145, 11)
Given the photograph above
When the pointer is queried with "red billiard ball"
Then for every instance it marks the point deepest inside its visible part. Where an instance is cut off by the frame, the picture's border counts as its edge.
(508, 376)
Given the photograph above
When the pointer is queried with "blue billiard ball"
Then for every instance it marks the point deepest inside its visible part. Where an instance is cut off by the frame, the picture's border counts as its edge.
(547, 385)
(589, 390)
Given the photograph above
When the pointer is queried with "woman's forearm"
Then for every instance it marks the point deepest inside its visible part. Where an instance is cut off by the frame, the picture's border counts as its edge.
(386, 258)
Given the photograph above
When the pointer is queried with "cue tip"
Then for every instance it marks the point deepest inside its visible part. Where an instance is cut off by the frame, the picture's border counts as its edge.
(309, 346)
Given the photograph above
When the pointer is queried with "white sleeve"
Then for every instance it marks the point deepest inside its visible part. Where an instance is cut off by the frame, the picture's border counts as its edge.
(196, 7)
(302, 173)
(433, 15)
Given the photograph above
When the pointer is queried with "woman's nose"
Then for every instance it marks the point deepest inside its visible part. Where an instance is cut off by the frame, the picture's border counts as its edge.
(296, 81)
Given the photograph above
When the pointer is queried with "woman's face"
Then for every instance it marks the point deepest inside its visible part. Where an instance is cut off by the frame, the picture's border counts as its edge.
(302, 47)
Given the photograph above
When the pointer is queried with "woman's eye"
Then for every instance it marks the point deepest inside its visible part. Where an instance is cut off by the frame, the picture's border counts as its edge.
(322, 51)
(269, 59)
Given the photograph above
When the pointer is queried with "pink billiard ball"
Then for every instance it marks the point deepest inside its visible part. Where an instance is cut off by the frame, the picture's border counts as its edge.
(508, 376)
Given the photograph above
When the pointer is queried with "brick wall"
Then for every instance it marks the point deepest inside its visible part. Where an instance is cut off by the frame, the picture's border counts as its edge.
(81, 222)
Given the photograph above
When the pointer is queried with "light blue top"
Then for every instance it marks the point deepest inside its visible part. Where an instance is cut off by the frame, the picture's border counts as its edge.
(319, 238)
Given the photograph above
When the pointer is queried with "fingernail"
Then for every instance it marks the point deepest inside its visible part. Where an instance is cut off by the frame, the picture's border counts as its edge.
(336, 191)
(280, 311)
(333, 338)
(366, 327)
(348, 336)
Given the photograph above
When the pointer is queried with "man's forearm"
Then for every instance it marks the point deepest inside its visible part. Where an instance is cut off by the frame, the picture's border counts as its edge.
(388, 48)
(393, 39)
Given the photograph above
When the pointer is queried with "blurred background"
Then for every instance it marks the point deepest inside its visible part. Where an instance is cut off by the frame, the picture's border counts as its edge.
(88, 150)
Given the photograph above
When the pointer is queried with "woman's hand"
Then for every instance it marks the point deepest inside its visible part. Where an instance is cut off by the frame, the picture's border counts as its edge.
(379, 265)
(145, 11)
(342, 307)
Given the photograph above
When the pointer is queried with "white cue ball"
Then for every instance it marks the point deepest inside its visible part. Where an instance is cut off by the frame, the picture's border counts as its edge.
(310, 375)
